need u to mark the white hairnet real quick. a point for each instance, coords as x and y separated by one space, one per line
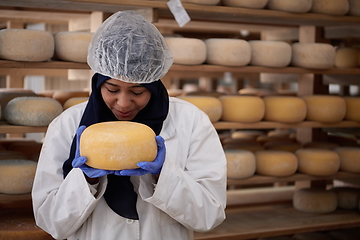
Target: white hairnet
129 48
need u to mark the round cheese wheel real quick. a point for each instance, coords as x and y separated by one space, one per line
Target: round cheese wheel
73 101
16 176
26 45
209 105
299 6
320 144
6 155
313 55
352 108
187 51
331 7
6 94
318 162
118 145
349 158
285 109
240 163
354 8
347 198
202 2
325 108
270 53
315 200
280 132
32 111
72 46
228 52
347 57
19 224
63 95
245 3
246 134
310 236
282 146
276 163
46 93
242 108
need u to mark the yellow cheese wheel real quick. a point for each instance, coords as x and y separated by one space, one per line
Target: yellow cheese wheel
240 163
280 132
247 134
118 145
16 176
63 95
72 46
6 94
32 111
276 163
284 109
347 57
246 109
318 162
354 8
352 108
202 2
314 200
257 4
320 144
187 51
289 146
299 6
313 55
209 105
74 101
26 45
325 108
331 7
228 52
347 197
310 236
270 53
349 158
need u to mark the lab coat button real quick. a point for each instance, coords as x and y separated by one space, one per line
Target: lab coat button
129 221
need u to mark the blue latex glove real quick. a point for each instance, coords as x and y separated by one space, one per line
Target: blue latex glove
79 161
153 167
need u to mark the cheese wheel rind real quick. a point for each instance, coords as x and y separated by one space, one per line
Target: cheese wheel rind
276 163
347 57
74 101
348 198
228 52
257 4
270 53
118 145
72 46
284 109
325 108
209 105
313 55
313 200
32 111
352 108
17 176
354 9
331 7
318 162
187 51
241 164
349 158
26 45
300 6
242 108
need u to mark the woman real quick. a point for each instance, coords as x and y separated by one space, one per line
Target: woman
181 191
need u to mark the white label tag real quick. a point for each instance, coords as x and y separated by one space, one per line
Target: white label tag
179 12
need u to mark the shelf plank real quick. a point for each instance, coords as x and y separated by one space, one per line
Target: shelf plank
270 125
260 179
43 65
6 128
267 221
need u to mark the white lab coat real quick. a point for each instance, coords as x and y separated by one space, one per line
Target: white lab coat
190 194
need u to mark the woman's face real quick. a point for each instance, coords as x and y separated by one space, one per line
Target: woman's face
125 100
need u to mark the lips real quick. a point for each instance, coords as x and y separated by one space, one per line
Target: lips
124 114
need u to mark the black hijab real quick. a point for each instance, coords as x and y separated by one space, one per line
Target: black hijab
119 193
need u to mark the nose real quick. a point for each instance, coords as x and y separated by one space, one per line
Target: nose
123 100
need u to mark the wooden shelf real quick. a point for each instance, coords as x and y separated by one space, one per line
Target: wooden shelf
259 179
7 128
270 125
43 65
267 221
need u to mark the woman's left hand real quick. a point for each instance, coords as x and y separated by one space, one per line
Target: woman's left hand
153 167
